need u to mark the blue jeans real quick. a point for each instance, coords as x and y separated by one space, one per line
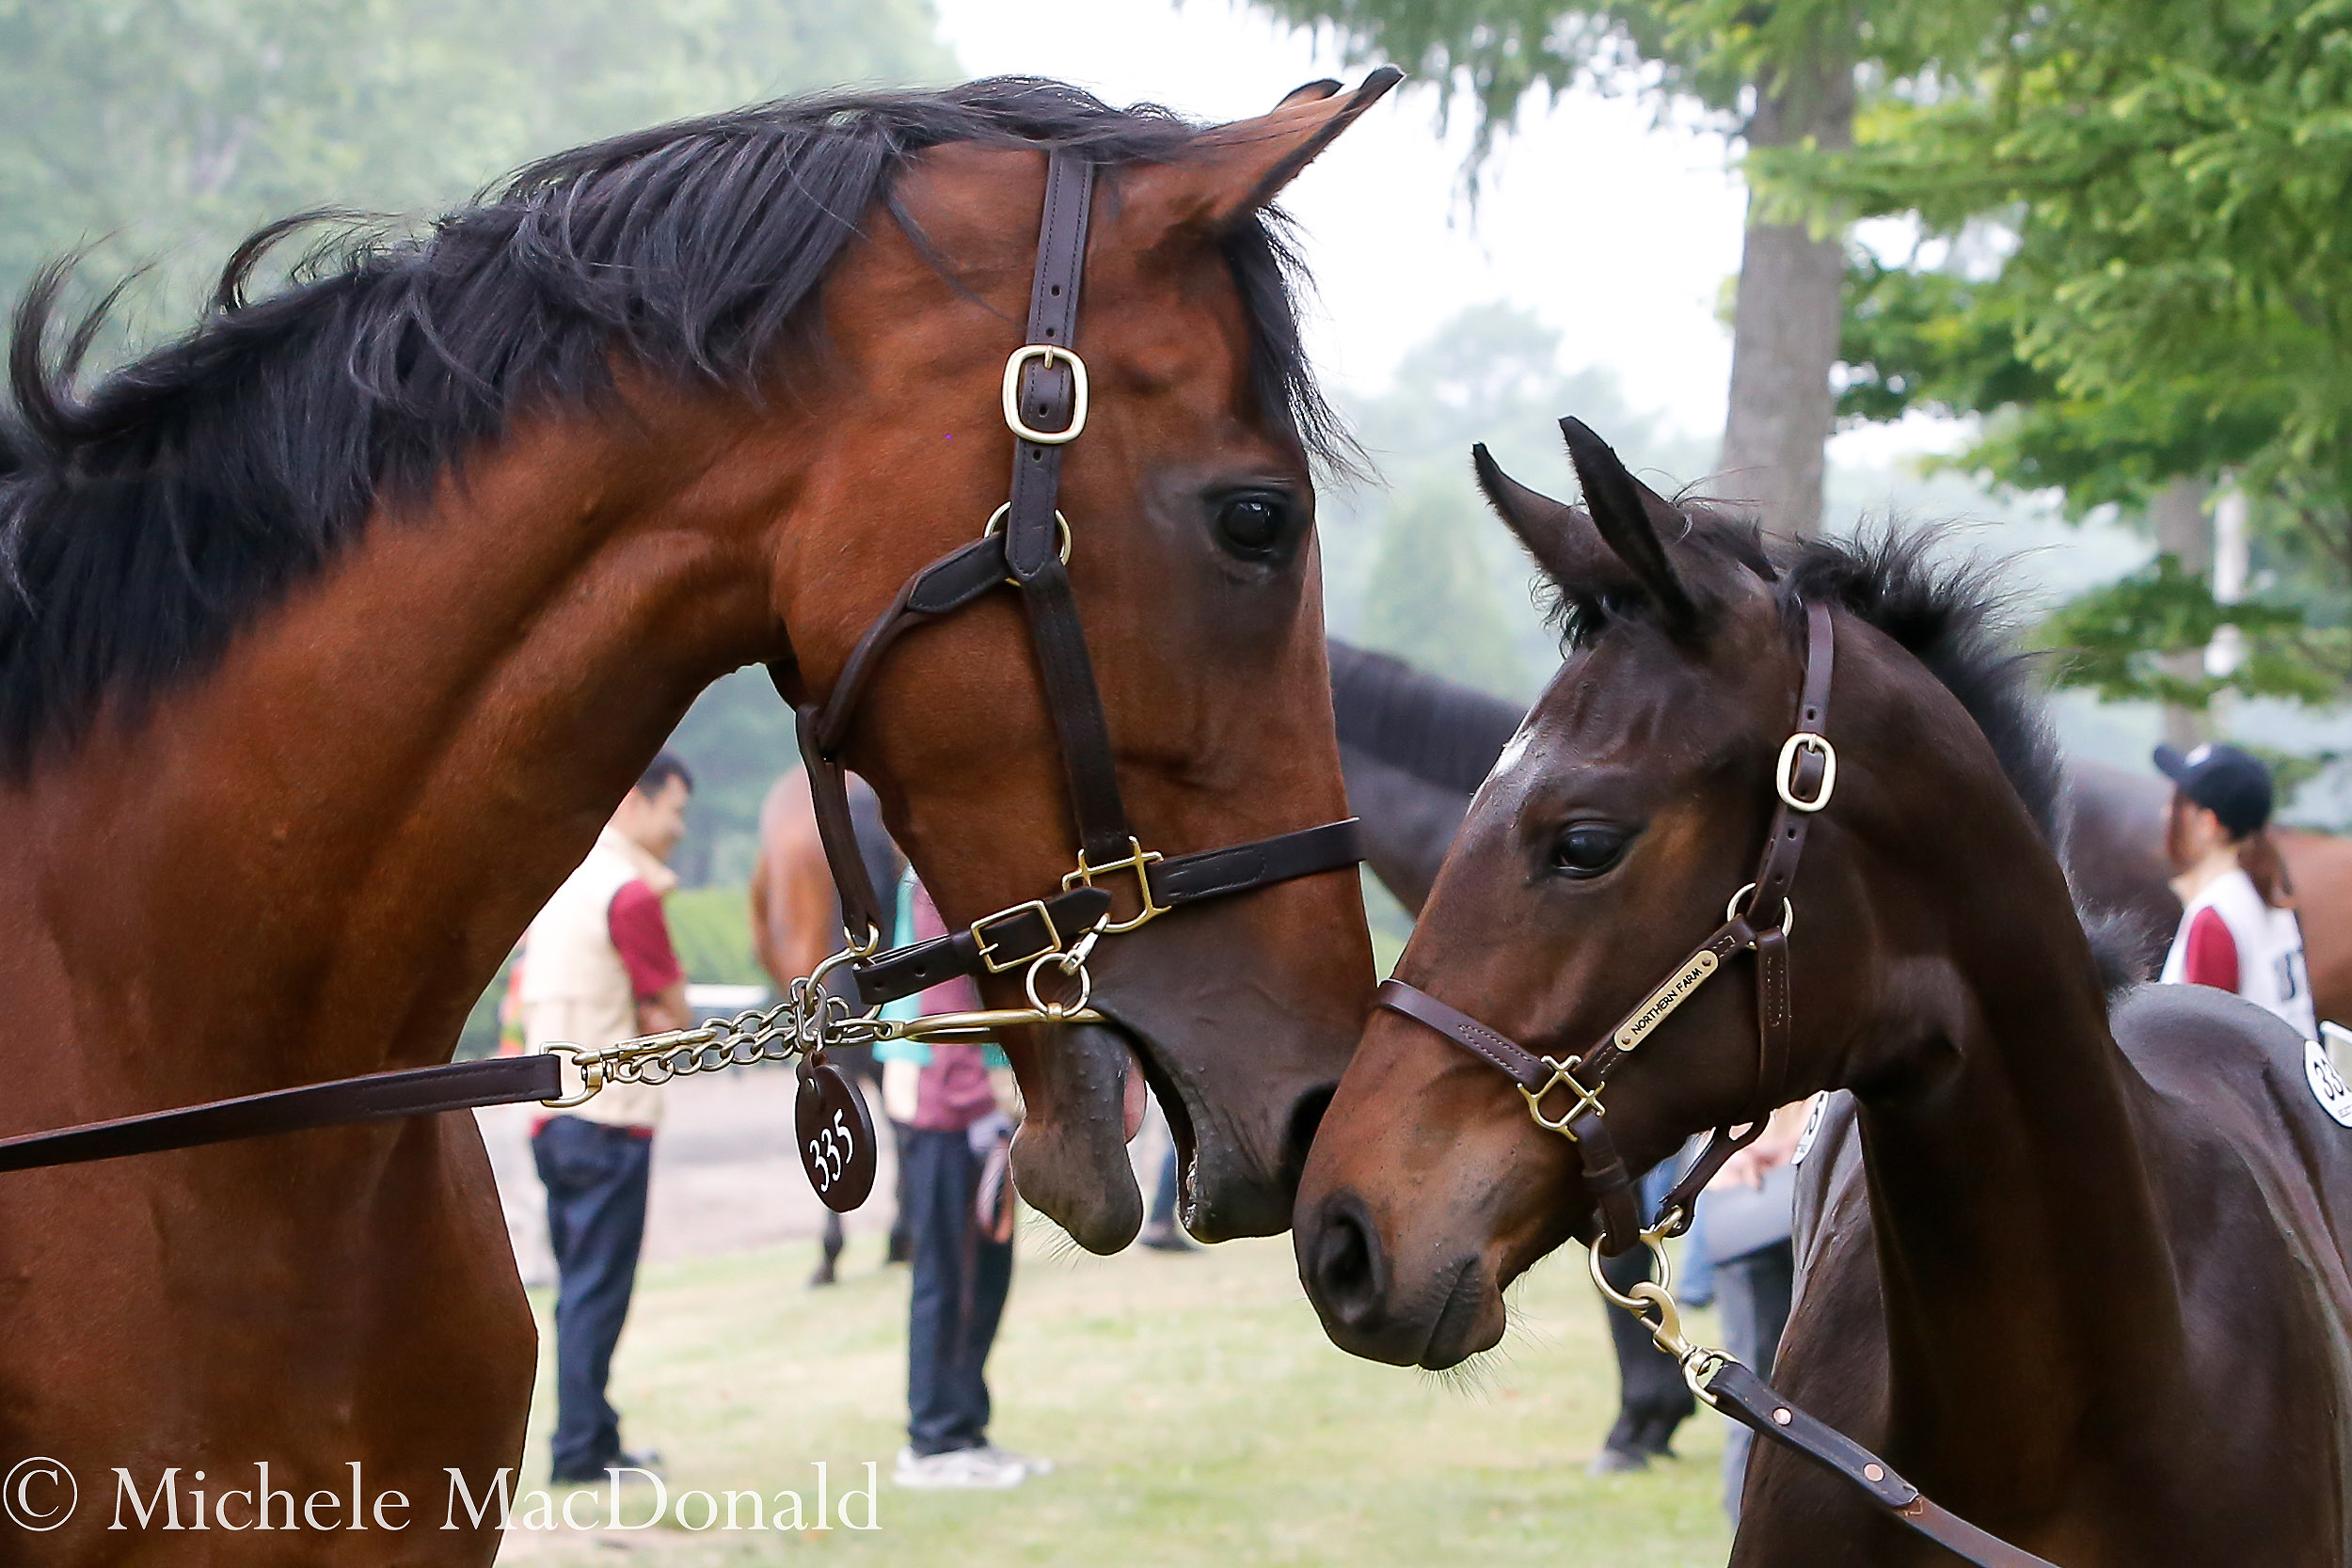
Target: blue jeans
961 1280
595 1178
1753 1294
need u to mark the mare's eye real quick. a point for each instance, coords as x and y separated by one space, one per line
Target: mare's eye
1255 525
1588 848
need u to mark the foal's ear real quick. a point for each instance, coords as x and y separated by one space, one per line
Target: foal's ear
1561 539
1231 170
1628 515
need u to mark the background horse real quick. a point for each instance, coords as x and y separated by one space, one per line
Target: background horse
796 923
335 630
2084 1283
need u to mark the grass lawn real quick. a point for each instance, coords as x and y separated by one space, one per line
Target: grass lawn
1195 1411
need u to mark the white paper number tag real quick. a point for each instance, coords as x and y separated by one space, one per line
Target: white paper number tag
1812 1128
2328 1086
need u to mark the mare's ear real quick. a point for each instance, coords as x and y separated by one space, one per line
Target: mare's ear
1561 539
1232 170
1628 515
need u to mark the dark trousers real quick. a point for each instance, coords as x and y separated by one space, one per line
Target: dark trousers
1752 1297
595 1178
1652 1399
961 1279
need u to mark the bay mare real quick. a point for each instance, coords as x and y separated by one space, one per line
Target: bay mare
334 631
2083 1282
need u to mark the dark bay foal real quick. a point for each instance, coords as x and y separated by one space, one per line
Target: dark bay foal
2077 1265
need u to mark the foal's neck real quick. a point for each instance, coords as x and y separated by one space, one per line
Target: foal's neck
343 825
2027 1284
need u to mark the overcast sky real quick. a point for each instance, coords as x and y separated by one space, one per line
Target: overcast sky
1617 230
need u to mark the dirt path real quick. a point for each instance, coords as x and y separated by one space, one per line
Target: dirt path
725 1176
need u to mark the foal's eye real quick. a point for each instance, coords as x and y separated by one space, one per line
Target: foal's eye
1255 525
1588 848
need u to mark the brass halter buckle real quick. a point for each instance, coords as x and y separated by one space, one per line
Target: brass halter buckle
1562 1077
1137 860
1045 354
989 950
1784 774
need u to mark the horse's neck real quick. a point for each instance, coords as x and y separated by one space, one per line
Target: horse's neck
330 838
2026 1279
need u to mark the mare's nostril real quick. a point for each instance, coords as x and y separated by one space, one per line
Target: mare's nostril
1347 1266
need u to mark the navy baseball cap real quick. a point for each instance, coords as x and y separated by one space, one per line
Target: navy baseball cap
2229 782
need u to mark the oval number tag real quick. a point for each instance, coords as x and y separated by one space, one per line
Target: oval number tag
2327 1085
836 1137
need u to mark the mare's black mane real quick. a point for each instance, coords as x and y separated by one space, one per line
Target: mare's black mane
143 521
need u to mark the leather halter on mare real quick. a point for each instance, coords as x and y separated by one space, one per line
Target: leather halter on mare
1758 919
1026 544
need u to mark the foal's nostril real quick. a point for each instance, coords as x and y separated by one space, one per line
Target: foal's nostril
1347 1265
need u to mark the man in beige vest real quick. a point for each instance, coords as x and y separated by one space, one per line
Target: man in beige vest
597 968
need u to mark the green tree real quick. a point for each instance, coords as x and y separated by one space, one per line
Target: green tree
2145 214
168 128
165 131
1420 569
1779 75
1433 599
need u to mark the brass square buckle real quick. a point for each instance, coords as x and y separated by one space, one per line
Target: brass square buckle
1137 860
988 950
1562 1077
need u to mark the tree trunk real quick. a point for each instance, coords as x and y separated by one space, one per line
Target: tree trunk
1785 320
2182 529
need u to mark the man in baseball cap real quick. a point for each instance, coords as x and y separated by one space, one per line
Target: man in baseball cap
2238 930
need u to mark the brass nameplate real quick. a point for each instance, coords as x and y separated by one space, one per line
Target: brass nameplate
1666 998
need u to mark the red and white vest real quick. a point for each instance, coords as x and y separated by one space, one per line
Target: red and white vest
575 985
2269 942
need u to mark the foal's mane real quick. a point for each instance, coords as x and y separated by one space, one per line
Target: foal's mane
144 520
1950 614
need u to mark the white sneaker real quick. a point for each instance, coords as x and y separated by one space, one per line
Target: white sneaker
982 1469
1035 1464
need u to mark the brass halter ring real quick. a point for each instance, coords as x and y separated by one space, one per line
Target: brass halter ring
1061 527
1056 1012
1788 910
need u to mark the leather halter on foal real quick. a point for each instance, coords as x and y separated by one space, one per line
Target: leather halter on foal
1027 544
1804 778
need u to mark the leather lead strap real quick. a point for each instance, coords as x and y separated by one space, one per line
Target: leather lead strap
1739 1394
412 1091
